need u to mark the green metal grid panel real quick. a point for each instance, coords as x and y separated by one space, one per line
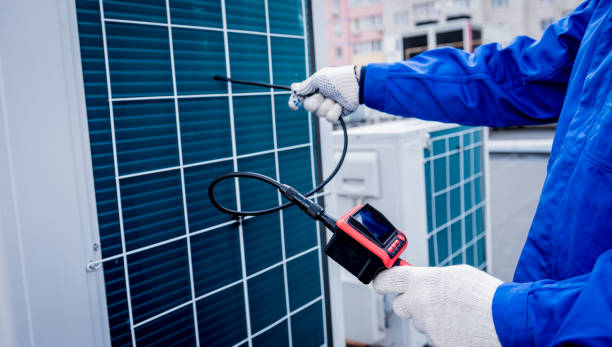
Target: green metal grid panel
176 270
454 186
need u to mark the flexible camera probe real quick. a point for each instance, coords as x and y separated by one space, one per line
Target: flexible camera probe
364 241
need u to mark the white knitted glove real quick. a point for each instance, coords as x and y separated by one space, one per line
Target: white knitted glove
336 92
452 305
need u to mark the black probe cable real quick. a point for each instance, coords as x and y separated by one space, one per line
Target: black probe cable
264 178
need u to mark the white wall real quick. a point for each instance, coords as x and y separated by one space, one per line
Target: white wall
47 211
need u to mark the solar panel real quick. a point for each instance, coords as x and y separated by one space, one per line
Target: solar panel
178 272
455 200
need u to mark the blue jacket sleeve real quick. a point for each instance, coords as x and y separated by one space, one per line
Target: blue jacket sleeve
575 311
521 84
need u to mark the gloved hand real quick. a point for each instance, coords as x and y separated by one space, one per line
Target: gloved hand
337 92
452 305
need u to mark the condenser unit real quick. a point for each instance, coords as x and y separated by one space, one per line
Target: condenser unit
430 180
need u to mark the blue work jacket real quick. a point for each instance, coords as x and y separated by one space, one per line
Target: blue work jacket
562 288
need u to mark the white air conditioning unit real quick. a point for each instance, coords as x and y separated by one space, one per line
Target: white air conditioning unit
430 180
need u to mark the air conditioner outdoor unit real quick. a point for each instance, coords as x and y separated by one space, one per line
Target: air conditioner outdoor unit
430 180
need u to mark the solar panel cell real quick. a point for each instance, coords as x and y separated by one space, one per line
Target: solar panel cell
196 12
159 279
286 17
201 213
303 280
300 231
306 328
205 129
267 298
174 329
215 258
152 208
276 336
221 317
140 10
139 60
246 15
145 134
262 242
198 56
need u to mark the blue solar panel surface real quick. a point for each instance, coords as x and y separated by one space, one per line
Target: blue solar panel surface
455 201
178 272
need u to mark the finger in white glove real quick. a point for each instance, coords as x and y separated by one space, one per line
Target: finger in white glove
312 103
295 101
325 107
452 305
334 113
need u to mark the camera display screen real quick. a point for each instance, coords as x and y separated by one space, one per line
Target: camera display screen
374 222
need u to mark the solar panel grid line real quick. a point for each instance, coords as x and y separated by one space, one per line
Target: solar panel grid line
462 192
467 131
197 27
277 173
462 250
192 234
245 289
164 313
282 319
455 151
182 171
220 289
448 200
433 213
212 161
116 174
473 191
457 185
196 96
462 215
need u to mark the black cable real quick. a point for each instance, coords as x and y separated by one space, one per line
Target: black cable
250 83
271 182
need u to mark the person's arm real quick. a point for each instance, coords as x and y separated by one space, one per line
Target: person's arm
524 83
463 306
575 311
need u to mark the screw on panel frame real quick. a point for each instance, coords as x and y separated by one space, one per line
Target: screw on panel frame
93 266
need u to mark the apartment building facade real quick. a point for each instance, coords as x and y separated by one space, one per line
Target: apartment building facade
361 31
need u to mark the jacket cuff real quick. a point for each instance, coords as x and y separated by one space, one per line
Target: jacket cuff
510 314
362 74
375 86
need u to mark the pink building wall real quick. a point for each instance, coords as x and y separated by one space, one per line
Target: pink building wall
343 18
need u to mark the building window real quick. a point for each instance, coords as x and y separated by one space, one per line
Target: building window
545 23
337 30
461 4
499 3
335 7
426 10
366 23
357 3
401 18
338 52
367 47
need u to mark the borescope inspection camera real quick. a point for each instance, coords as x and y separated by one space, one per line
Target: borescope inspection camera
364 242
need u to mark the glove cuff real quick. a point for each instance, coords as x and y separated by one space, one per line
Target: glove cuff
346 83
